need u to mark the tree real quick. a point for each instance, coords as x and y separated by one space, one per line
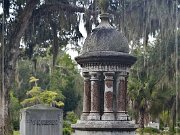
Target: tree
167 70
39 96
67 79
138 88
23 13
152 85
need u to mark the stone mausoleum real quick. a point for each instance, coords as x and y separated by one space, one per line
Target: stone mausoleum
105 62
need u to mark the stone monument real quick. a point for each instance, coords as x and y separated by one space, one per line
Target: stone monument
105 62
41 120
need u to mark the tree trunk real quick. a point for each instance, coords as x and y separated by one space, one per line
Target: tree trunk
173 116
141 119
11 56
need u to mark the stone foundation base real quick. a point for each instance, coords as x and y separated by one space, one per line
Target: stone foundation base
108 116
93 116
122 117
78 132
104 128
84 116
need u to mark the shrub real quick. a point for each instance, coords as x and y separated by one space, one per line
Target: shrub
150 130
71 118
66 131
16 133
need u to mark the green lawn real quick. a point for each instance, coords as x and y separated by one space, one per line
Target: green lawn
16 133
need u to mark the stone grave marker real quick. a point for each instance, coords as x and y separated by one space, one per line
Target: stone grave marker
41 120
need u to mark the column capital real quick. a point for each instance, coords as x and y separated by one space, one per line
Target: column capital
124 74
109 75
121 76
95 75
86 75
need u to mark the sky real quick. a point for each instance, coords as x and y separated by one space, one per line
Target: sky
1 9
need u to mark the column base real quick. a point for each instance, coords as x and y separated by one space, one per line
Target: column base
80 132
93 116
122 116
108 116
84 116
104 128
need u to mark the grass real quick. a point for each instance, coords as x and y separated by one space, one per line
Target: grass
152 131
16 133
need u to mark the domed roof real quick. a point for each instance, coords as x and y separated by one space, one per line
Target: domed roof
105 38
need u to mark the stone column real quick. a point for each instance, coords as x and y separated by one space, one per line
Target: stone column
108 96
95 97
87 96
121 96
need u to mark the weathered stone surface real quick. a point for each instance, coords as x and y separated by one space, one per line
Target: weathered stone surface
122 116
106 52
87 96
79 132
41 120
104 126
105 38
105 58
108 96
95 97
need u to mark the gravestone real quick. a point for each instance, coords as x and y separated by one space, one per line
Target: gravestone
153 125
41 120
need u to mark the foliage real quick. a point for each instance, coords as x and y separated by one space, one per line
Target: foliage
16 133
67 131
71 118
152 81
37 96
66 78
23 73
149 130
139 88
55 81
14 110
63 79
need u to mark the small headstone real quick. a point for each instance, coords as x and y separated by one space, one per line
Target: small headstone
41 120
153 125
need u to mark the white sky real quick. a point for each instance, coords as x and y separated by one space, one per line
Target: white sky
1 9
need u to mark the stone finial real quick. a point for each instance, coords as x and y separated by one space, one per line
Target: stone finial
104 4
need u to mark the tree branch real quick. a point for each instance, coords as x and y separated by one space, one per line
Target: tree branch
12 49
60 7
23 22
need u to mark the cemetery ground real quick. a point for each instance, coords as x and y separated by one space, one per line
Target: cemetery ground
163 133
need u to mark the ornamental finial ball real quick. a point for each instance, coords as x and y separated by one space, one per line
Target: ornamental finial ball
104 4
